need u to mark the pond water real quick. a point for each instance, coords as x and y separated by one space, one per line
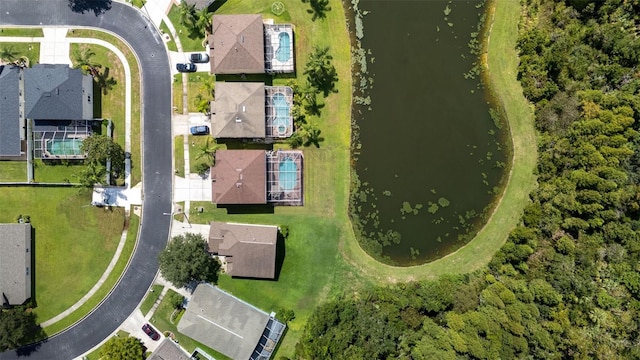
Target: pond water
430 160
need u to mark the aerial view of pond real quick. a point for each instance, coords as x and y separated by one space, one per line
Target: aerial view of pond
429 157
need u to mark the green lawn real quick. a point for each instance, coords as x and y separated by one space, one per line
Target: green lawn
177 93
188 43
161 319
171 44
21 32
195 143
74 242
135 94
195 87
51 172
178 155
110 282
13 171
150 298
13 51
113 99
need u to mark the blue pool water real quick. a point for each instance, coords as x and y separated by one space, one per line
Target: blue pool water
283 53
287 174
281 121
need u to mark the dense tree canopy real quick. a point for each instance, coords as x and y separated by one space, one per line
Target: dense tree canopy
566 283
17 327
185 260
122 348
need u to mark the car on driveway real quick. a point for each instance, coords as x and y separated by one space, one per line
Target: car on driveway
199 58
199 130
190 67
153 334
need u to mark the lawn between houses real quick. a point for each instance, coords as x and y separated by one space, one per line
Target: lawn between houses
322 257
136 172
73 243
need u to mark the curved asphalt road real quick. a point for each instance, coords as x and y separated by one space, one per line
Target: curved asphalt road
135 29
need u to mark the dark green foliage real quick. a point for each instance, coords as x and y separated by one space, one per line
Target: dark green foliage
320 72
122 348
185 260
176 300
566 283
318 8
99 148
17 327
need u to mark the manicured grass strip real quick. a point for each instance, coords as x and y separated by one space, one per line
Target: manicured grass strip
57 172
161 320
95 355
136 175
105 289
13 171
178 155
195 143
171 44
10 51
21 32
150 298
73 243
196 87
188 43
112 98
177 93
503 63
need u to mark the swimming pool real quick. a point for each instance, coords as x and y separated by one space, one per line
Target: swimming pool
64 147
282 118
283 53
287 174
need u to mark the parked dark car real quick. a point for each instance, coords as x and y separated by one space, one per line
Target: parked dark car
199 58
199 130
190 67
153 334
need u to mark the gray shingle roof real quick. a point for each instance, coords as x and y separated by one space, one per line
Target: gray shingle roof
57 92
239 110
223 322
168 350
250 250
9 111
15 263
237 44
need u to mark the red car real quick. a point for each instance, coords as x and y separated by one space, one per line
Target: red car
153 334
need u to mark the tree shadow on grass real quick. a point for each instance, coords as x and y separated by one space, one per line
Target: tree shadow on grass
248 209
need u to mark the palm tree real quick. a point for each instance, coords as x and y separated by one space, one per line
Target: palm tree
83 60
207 151
321 74
8 54
104 81
319 8
312 135
203 22
187 14
203 104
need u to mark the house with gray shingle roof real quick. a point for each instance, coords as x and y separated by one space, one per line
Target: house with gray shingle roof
229 325
57 104
12 133
15 263
245 44
249 250
57 92
169 350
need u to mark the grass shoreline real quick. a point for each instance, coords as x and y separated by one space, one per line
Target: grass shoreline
502 68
